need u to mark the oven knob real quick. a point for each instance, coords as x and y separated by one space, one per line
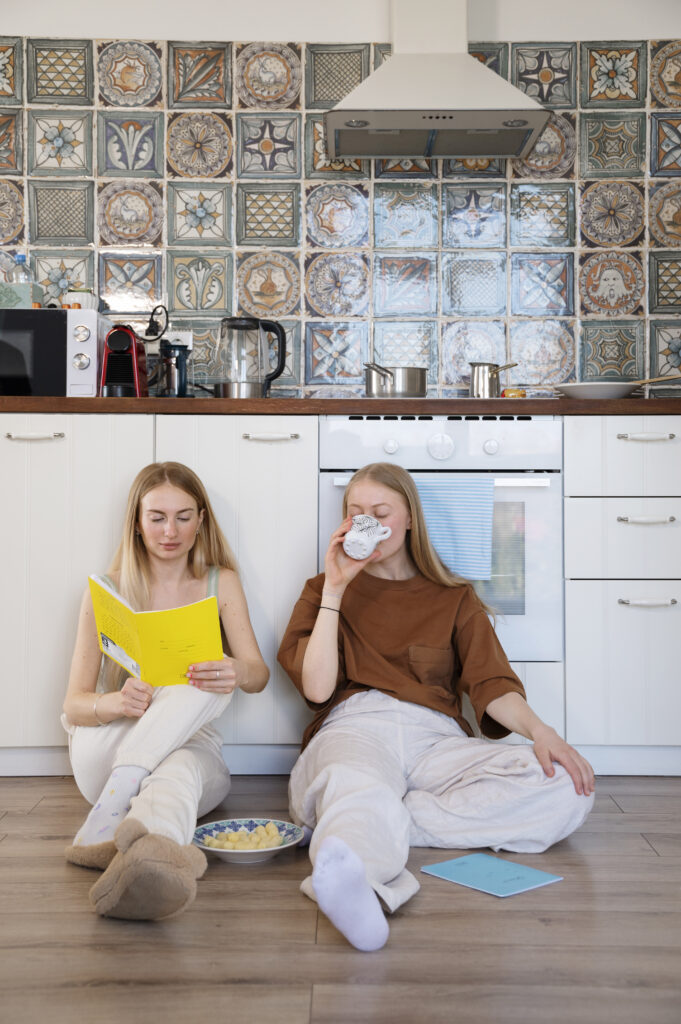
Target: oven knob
81 361
491 447
81 332
440 446
390 446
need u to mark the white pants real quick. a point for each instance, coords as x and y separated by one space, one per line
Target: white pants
175 743
384 775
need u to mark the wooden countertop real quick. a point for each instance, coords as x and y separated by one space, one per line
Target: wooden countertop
349 406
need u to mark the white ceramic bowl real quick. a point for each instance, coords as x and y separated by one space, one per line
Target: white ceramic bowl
597 389
291 835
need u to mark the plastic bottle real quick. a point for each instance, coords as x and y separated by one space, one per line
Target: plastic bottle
20 272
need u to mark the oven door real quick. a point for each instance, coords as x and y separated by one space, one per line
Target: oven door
526 586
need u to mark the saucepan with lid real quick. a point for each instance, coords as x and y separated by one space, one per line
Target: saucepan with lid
395 381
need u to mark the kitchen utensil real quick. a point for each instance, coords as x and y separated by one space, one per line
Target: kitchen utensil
363 536
173 369
291 835
606 389
484 382
244 351
395 381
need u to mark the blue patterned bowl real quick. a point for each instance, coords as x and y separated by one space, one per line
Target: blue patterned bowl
291 835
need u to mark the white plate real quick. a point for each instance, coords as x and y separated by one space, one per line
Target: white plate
291 835
597 389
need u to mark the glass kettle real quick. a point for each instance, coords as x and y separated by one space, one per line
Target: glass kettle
244 353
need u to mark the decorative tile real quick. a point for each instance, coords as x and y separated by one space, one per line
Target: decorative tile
11 70
542 215
611 283
199 75
474 215
291 374
130 283
199 282
664 213
471 341
474 167
612 213
199 145
492 55
61 213
58 272
11 141
199 214
665 77
268 284
612 145
665 348
405 284
268 75
553 154
382 52
332 71
130 144
405 216
60 144
317 161
665 282
268 147
337 216
474 284
613 74
612 351
60 72
405 168
544 351
407 343
547 73
208 362
268 213
665 144
541 285
130 74
335 352
337 284
130 213
11 212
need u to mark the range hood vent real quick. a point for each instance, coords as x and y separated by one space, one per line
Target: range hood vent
432 98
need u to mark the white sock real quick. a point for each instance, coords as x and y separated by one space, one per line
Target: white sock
344 894
112 805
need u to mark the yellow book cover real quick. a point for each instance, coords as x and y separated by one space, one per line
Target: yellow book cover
157 647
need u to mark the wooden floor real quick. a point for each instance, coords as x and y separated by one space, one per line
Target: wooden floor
602 945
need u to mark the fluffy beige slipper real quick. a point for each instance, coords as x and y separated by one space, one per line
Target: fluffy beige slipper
150 878
96 855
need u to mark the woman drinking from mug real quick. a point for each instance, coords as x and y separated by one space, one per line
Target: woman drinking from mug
383 649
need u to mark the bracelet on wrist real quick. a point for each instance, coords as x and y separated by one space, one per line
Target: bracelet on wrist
94 708
328 608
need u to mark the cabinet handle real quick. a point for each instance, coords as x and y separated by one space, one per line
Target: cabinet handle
35 437
647 604
270 437
646 437
646 520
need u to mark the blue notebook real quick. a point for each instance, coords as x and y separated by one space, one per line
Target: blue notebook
491 874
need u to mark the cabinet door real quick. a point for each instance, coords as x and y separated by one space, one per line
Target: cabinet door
622 662
261 475
65 486
622 455
623 538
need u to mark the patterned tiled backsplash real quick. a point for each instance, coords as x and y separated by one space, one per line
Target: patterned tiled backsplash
195 175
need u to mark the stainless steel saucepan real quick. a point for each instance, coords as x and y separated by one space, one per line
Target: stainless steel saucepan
395 381
484 381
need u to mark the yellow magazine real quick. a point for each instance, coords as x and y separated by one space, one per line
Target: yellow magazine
157 647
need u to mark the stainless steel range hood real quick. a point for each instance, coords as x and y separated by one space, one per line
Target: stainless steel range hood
431 98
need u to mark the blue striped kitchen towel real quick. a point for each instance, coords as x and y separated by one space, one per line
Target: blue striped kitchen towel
459 517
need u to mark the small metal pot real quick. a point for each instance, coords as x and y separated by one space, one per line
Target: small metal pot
484 381
395 381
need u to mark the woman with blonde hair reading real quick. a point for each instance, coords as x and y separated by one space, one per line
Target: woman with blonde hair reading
148 759
383 650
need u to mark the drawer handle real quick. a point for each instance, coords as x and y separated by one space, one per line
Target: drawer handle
270 437
646 520
646 437
35 437
647 604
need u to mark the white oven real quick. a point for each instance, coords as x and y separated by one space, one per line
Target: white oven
523 457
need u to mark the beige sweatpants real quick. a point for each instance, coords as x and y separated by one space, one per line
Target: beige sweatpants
384 775
175 743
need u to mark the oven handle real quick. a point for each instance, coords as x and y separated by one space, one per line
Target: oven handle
534 481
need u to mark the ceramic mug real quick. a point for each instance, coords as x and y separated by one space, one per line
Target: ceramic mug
363 536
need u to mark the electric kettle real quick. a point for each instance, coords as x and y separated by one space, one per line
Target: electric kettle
244 352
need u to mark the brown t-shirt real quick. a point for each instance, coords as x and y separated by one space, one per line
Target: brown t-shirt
415 640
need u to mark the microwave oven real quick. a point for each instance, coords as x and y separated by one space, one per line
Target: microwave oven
51 351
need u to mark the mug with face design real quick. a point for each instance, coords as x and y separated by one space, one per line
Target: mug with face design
363 536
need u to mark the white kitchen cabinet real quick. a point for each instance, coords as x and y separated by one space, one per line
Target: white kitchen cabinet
622 538
261 474
622 455
65 480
